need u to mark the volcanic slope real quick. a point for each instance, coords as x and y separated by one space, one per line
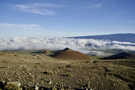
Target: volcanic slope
69 54
122 55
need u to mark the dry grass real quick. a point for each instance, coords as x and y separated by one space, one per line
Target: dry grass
38 69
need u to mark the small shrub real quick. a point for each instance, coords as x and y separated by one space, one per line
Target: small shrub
93 61
66 75
68 66
12 86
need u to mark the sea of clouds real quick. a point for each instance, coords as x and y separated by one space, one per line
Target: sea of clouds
84 45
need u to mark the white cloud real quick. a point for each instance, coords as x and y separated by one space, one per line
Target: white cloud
95 5
60 43
126 43
54 43
29 30
39 8
7 26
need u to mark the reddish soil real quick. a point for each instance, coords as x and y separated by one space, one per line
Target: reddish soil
70 54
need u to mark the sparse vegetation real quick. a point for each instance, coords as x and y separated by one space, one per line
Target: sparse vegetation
12 86
49 72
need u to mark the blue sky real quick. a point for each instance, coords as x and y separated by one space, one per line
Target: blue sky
66 17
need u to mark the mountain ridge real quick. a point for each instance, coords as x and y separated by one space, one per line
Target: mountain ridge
122 37
122 55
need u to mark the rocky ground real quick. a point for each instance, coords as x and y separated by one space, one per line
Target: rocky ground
34 69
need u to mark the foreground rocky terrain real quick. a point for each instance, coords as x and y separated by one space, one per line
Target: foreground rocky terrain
30 70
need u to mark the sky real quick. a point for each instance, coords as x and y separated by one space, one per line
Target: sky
58 18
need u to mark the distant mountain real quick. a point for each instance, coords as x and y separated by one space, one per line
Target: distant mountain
122 55
127 37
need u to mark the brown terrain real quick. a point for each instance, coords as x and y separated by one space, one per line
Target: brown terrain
70 54
40 70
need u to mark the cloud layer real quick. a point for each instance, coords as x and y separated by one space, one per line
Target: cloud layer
31 43
38 8
7 26
50 8
95 5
